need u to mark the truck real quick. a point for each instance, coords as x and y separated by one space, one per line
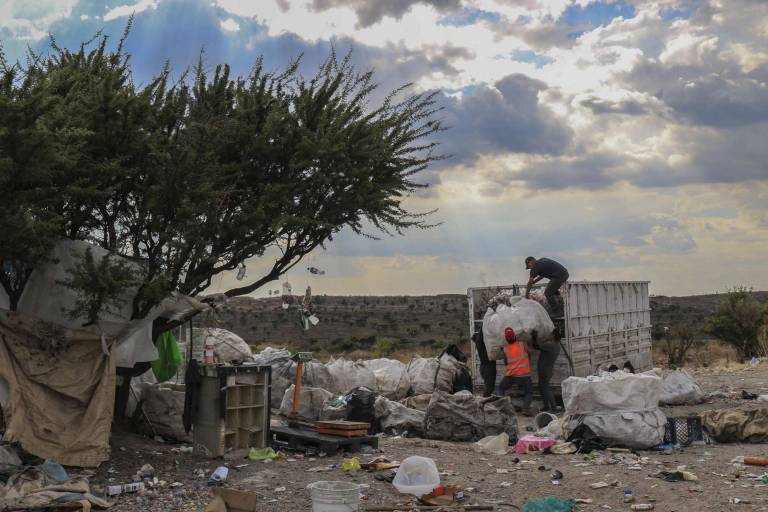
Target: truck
606 325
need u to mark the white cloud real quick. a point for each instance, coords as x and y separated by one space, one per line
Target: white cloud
30 21
229 25
126 10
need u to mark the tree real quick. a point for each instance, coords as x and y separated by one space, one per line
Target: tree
738 320
191 178
677 341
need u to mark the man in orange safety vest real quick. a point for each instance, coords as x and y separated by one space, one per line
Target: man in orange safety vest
518 368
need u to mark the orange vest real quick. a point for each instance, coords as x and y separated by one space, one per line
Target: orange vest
518 364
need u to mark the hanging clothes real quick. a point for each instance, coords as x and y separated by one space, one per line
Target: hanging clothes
169 360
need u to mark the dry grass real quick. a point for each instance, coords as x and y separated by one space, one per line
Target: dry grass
711 354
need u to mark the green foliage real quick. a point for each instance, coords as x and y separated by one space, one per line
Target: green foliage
383 347
100 285
737 322
195 176
677 341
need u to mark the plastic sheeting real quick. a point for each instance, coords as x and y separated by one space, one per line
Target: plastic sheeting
45 299
392 378
621 408
523 316
679 388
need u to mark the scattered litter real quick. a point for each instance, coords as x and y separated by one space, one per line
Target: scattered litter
563 448
279 489
643 506
738 501
599 485
746 395
676 476
114 490
320 469
493 445
351 465
218 476
529 444
755 461
262 454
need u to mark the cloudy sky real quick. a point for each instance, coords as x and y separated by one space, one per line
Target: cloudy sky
627 139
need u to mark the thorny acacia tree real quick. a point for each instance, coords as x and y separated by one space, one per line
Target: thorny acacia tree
192 177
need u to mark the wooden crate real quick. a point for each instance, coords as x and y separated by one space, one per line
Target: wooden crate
342 428
233 411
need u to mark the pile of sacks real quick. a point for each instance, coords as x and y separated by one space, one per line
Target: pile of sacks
620 408
417 398
390 378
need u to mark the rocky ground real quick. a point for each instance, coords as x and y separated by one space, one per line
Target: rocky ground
495 480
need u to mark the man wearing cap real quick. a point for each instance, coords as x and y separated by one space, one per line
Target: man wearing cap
556 273
518 368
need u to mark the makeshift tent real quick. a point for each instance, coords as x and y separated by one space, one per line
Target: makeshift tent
62 390
59 376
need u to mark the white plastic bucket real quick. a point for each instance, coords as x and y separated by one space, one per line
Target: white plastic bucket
335 496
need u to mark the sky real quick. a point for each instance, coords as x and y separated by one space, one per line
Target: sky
627 139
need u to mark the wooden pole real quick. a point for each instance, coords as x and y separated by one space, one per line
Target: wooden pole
297 388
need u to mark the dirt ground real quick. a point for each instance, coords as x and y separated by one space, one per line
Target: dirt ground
493 480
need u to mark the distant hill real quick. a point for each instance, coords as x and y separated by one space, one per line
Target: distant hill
427 323
693 309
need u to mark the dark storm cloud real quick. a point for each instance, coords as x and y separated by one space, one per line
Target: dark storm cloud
625 107
505 118
704 95
370 12
591 171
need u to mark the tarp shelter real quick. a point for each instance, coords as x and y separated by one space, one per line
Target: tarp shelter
62 390
57 377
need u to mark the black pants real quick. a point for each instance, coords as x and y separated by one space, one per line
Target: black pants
488 374
552 291
524 383
546 370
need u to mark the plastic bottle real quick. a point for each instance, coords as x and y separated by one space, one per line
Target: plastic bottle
219 475
628 496
208 350
114 490
756 461
643 506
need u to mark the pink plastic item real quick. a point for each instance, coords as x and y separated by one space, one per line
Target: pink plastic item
527 444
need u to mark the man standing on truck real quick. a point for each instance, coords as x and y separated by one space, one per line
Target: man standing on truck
518 369
548 352
557 275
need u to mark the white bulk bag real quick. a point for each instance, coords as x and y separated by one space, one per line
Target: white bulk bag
679 388
523 316
347 375
392 379
621 408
